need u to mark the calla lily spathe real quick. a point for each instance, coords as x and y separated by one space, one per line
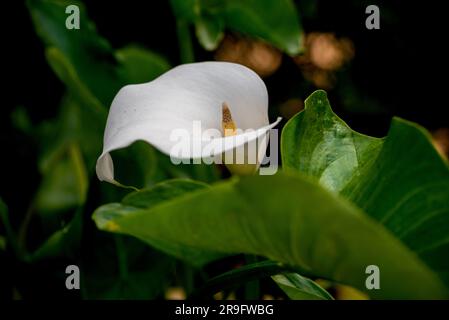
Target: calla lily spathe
187 93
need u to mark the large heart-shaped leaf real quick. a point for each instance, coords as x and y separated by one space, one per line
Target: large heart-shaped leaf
287 218
400 180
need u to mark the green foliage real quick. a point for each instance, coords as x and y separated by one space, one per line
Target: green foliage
298 287
125 268
401 180
65 181
63 242
138 65
90 55
256 215
274 21
343 200
70 144
10 238
109 216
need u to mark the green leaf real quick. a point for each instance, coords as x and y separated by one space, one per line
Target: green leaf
93 73
20 119
137 165
401 180
124 268
250 272
65 181
186 10
201 172
73 125
297 287
316 142
11 238
286 218
275 21
237 277
109 214
139 65
66 160
85 61
89 54
65 70
141 165
163 191
209 32
64 242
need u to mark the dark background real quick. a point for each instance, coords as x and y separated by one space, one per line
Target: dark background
402 65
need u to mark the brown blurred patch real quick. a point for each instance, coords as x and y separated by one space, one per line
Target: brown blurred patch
440 139
257 55
175 293
324 54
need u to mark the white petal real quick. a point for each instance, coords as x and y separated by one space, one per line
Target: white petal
187 93
225 144
105 168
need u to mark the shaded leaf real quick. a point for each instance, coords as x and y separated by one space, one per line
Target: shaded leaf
110 213
64 242
236 277
20 119
286 218
125 268
11 238
141 165
65 182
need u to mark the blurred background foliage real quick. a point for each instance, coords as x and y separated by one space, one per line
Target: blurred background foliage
61 83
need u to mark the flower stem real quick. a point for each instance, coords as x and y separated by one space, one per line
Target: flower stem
185 41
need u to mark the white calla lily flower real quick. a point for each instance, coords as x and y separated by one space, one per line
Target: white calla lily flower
206 93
